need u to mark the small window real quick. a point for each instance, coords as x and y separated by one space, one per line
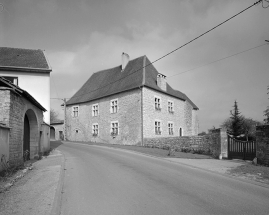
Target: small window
114 106
171 128
13 80
180 132
158 127
75 111
95 129
157 103
76 130
95 110
114 128
170 107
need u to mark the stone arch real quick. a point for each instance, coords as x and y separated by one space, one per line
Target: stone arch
31 142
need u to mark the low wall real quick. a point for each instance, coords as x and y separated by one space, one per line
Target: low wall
4 146
262 141
214 143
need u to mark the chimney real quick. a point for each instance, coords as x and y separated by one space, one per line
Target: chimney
124 60
161 81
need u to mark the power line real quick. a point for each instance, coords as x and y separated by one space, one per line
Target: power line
174 49
216 60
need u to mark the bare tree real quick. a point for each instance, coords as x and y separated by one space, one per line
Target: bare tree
53 115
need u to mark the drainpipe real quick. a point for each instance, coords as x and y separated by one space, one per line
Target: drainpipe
142 124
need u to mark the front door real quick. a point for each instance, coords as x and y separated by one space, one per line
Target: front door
26 139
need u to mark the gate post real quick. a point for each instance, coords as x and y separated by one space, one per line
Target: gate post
223 143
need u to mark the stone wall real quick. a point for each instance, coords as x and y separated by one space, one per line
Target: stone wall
12 111
4 145
262 141
183 116
210 143
128 116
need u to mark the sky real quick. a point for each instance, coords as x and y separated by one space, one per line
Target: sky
81 37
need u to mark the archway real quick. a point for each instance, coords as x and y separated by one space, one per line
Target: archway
30 135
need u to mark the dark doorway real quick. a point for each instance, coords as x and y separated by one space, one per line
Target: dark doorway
61 135
26 139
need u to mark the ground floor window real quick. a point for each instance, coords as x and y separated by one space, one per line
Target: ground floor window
171 128
95 129
114 128
158 127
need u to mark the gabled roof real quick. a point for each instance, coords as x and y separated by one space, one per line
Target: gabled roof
114 80
23 60
6 84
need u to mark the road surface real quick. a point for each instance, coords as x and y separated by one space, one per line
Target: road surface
100 180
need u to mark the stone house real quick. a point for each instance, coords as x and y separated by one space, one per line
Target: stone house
127 103
30 70
23 115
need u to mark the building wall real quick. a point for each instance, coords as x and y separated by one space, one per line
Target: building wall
128 116
183 116
4 146
58 128
45 138
13 109
36 84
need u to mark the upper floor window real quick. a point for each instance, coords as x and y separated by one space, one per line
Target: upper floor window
114 128
170 107
75 111
95 110
95 129
157 103
171 128
157 127
114 106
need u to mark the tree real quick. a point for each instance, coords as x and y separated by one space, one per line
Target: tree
266 112
53 115
237 121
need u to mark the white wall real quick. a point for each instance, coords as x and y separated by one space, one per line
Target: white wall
37 84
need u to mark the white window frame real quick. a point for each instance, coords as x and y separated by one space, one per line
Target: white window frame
170 128
114 106
95 129
75 111
157 127
157 103
170 105
112 128
95 109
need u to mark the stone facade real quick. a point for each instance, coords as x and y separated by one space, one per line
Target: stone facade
129 118
183 115
262 141
13 108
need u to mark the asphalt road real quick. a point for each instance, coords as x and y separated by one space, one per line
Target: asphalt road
99 180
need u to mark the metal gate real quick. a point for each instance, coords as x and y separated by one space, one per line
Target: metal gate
238 149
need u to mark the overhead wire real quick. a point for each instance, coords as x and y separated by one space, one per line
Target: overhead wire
217 60
172 50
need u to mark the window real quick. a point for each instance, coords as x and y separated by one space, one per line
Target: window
95 130
95 110
180 132
157 103
14 80
171 128
114 128
158 127
170 107
114 106
75 111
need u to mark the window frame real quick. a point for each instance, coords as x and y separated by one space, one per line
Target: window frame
158 127
95 127
75 111
170 106
113 106
95 112
170 128
157 104
112 129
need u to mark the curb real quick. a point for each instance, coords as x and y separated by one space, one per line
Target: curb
57 203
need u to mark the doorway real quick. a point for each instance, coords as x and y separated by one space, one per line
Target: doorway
26 139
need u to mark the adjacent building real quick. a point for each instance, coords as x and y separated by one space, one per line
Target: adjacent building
30 70
127 103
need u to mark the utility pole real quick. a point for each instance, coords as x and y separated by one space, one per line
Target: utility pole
64 118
